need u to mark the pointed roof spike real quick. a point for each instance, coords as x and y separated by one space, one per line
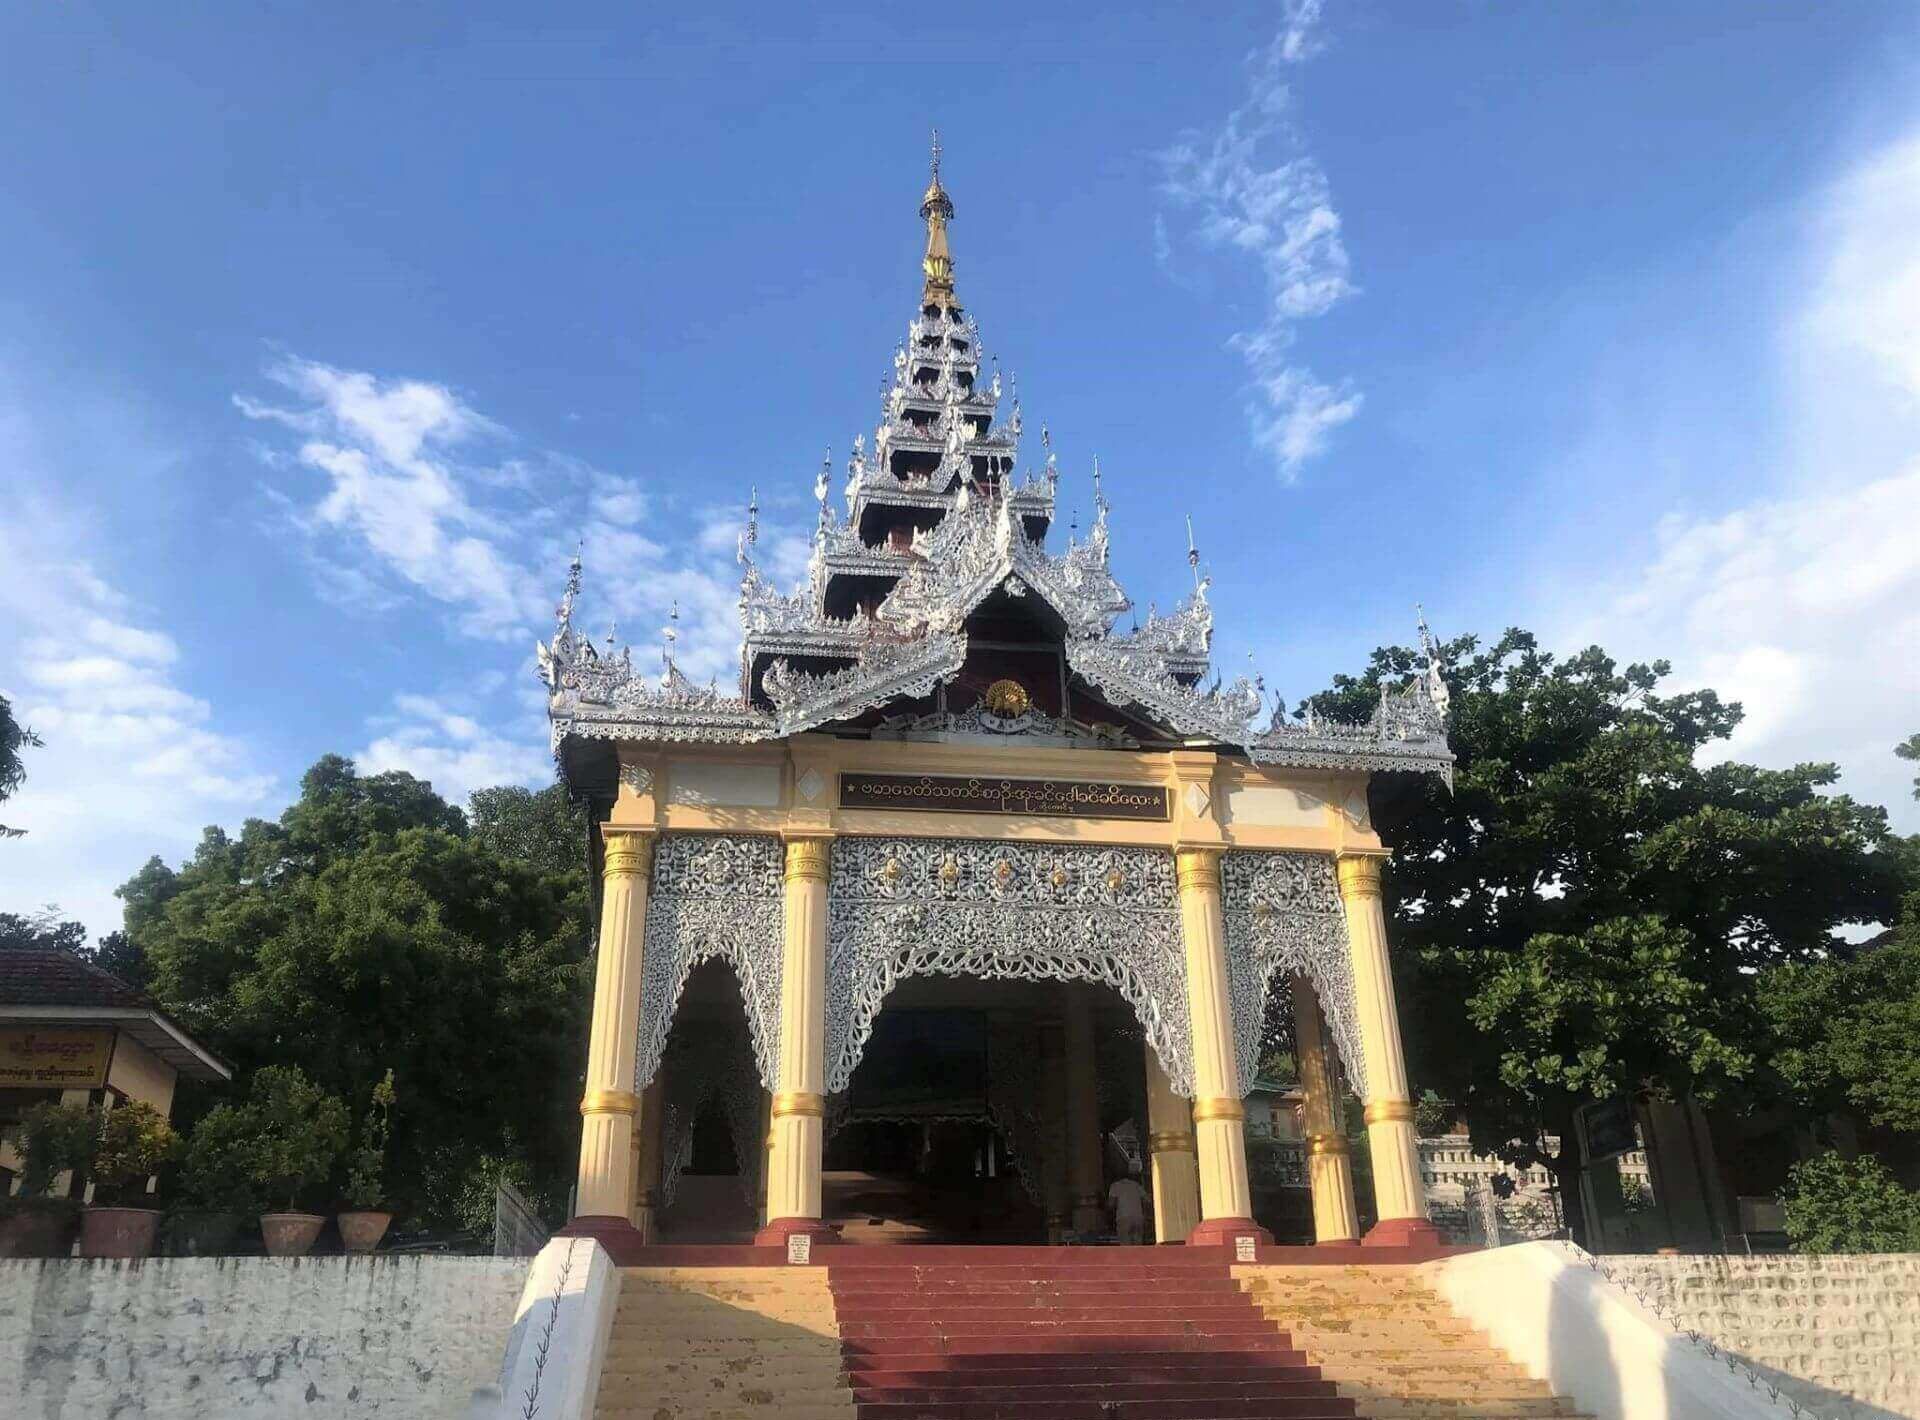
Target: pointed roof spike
936 210
1193 554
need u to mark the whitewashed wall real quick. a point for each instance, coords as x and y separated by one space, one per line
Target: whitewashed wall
207 1338
1841 1335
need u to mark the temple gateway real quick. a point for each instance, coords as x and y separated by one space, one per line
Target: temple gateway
973 894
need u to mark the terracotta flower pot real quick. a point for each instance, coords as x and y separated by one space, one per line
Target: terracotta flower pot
38 1227
118 1232
290 1234
362 1229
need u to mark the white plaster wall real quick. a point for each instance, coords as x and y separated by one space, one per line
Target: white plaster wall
1591 1340
1841 1335
328 1338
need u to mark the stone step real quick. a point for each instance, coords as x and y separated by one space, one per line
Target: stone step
929 1368
1097 1390
1109 1327
1043 1314
1024 1343
649 1343
667 1407
1032 1409
824 1370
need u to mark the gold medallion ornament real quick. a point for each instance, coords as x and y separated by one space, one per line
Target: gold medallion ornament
1008 699
950 872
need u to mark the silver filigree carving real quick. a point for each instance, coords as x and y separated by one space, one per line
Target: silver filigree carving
713 896
1283 914
1002 911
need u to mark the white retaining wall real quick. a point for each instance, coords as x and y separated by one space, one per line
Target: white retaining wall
329 1338
1841 1335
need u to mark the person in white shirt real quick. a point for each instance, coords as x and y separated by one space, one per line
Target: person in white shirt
1129 1202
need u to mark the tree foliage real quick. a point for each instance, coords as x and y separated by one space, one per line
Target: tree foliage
1836 1204
1581 915
14 737
369 929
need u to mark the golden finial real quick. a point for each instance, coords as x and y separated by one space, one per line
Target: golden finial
936 210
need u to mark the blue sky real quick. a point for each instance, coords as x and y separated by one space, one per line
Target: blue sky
326 330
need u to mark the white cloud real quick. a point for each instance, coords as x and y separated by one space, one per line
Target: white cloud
452 750
133 763
1804 605
1282 214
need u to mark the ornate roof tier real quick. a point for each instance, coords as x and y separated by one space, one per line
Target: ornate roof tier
939 550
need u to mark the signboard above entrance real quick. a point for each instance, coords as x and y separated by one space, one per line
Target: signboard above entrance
989 794
53 1058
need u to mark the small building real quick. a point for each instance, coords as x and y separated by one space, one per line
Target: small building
74 1033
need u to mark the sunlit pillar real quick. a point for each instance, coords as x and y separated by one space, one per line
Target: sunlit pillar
800 1104
1219 1113
1399 1197
1176 1173
1329 1159
603 1201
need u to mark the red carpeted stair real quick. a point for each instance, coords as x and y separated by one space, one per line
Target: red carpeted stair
1133 1334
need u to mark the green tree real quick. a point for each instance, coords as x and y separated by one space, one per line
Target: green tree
542 828
1909 748
1582 915
14 737
1836 1204
41 931
366 930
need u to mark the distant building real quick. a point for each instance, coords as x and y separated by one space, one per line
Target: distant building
74 1033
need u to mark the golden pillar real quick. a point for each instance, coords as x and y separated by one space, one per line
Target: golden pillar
603 1199
798 1111
1329 1159
1086 1157
766 1153
1400 1197
1219 1113
1176 1172
646 1160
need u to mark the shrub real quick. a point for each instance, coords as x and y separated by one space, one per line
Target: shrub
1835 1204
301 1130
130 1143
53 1139
367 1164
222 1154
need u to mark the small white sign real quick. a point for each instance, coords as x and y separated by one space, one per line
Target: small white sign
1244 1248
799 1248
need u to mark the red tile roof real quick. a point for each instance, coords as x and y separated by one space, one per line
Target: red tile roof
51 977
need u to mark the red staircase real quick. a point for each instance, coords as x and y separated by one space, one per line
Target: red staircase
1043 1334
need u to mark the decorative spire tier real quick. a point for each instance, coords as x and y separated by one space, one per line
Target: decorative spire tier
934 561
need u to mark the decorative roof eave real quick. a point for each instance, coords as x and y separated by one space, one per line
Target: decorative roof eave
1407 731
905 672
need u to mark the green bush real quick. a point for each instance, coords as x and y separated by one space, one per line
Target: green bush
218 1174
53 1139
130 1143
366 1165
1835 1204
302 1131
284 1139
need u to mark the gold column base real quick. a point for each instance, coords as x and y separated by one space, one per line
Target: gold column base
610 1102
1206 1111
789 1103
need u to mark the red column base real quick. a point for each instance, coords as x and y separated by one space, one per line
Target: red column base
1222 1232
778 1230
1402 1232
613 1233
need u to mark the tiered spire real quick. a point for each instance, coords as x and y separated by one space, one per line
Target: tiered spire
936 210
937 524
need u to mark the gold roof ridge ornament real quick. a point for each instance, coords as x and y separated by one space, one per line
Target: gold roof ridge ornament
936 210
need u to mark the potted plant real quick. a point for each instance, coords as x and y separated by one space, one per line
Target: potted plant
364 1223
299 1131
216 1184
54 1139
130 1142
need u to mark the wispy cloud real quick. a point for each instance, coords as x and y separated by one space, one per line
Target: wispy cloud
421 497
454 750
1252 187
133 763
1804 604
